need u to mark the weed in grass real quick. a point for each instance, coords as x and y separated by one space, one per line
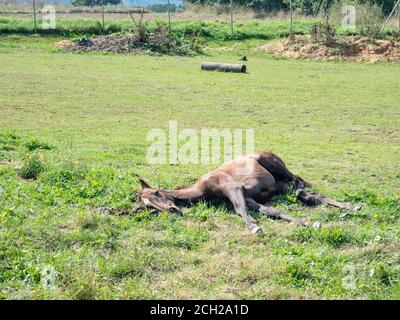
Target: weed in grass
85 287
384 274
331 236
32 166
300 273
9 142
35 144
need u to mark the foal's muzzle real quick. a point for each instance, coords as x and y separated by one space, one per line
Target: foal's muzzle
175 210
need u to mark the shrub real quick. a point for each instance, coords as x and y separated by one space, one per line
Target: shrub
322 32
162 7
31 167
92 3
161 41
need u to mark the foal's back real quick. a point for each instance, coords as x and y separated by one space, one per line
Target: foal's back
248 167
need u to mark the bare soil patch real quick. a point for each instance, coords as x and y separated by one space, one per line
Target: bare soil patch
344 48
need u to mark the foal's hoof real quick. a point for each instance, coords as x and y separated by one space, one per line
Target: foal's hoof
303 222
256 230
355 207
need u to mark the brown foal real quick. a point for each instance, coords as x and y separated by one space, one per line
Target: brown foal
249 183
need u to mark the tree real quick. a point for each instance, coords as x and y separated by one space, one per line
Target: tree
92 3
324 7
386 5
308 7
264 5
162 7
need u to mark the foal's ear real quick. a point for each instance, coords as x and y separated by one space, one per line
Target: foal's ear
143 183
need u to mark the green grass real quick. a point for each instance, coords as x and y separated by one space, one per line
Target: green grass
207 29
84 119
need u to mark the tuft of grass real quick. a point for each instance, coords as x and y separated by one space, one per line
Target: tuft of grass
32 166
299 274
35 144
9 142
331 236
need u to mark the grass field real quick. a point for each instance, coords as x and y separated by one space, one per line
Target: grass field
218 30
81 120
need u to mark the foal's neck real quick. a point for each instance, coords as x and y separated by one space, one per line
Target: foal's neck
190 193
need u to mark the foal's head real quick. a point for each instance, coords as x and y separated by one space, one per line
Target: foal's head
157 199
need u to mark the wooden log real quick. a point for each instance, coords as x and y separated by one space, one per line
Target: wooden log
225 67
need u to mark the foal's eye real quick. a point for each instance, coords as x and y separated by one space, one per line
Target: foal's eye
157 194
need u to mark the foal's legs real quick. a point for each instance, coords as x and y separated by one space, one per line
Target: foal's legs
234 192
271 212
314 199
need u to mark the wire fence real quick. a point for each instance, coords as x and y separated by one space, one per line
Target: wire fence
34 16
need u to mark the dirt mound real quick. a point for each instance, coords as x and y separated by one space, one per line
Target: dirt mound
344 48
108 43
154 42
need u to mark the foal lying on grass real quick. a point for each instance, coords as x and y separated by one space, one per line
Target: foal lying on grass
249 183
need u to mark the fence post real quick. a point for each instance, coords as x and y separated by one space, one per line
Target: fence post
391 15
398 15
169 15
34 16
231 6
102 14
291 19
